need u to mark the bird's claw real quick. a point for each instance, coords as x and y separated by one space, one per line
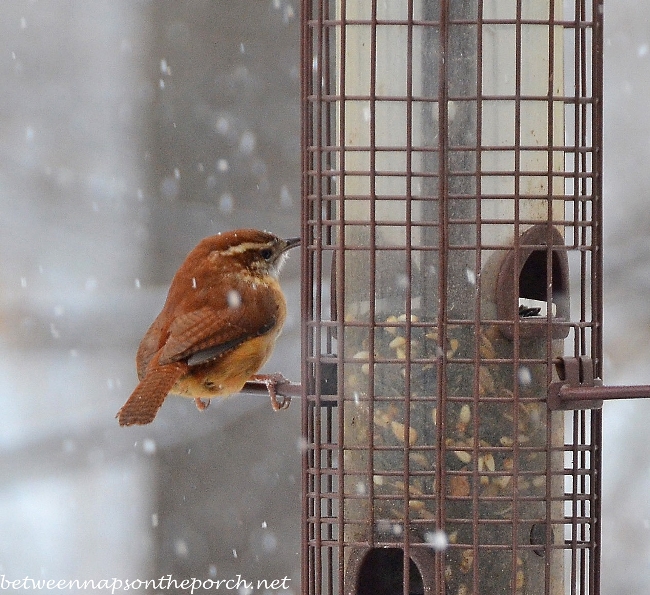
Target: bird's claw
201 405
272 381
278 405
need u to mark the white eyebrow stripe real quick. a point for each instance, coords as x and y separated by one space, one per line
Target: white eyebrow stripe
239 248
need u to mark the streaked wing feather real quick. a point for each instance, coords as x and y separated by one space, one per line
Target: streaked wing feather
148 348
204 334
190 332
211 353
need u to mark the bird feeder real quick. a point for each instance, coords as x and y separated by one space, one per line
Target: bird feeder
452 295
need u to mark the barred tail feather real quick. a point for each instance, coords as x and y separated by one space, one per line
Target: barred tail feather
145 401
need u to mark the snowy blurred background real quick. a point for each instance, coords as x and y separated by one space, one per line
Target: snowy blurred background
130 130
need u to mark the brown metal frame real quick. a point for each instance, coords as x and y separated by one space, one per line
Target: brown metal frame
530 498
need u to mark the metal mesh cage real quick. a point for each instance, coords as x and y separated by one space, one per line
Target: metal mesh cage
451 222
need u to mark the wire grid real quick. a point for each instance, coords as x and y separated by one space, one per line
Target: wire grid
451 228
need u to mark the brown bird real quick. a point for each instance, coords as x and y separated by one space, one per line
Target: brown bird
218 327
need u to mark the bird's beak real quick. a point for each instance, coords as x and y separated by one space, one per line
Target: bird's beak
290 243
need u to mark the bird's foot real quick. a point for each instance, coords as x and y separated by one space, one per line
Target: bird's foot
202 405
272 381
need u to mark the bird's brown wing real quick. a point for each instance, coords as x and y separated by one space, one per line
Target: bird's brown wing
149 346
204 334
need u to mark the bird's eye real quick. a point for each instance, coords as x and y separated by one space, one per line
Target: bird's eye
266 253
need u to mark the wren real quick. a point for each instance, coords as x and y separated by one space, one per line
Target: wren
223 314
